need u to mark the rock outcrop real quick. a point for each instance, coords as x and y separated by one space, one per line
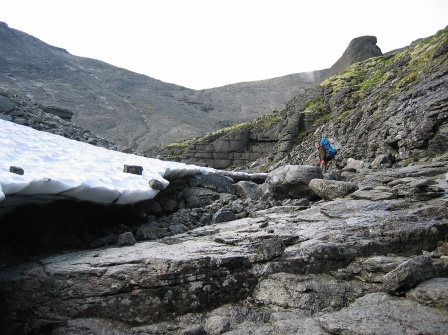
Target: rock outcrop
359 49
341 266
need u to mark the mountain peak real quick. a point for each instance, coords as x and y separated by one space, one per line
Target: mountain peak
358 50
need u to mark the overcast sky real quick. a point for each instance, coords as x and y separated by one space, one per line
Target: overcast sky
209 43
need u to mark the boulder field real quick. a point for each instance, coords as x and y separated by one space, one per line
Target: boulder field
370 259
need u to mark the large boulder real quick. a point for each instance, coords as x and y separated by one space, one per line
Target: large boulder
224 215
247 189
290 181
332 189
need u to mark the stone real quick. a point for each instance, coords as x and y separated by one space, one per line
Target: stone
154 207
409 274
382 161
290 181
63 113
170 206
418 188
379 313
354 164
126 239
6 105
155 184
134 169
296 323
107 240
432 292
145 233
332 189
309 293
331 176
443 248
17 170
369 270
224 215
216 325
247 189
177 228
270 249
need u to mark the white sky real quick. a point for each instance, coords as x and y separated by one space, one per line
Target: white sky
209 43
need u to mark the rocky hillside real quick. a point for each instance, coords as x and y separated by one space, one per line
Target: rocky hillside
392 108
133 110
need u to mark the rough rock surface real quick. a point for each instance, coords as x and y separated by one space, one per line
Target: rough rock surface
343 266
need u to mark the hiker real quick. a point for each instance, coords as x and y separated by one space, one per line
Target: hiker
326 153
322 157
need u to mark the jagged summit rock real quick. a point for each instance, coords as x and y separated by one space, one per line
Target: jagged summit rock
359 49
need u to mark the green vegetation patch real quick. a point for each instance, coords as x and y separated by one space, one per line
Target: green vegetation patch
346 114
177 150
323 119
400 70
149 109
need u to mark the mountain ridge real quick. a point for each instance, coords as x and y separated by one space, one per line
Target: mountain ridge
133 110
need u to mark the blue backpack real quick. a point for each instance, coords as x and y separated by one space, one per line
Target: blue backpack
331 152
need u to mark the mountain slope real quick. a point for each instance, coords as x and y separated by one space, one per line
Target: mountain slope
133 110
392 107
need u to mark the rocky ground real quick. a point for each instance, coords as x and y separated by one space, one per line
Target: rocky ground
372 258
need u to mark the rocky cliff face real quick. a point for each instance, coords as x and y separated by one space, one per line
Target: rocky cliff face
133 110
394 105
